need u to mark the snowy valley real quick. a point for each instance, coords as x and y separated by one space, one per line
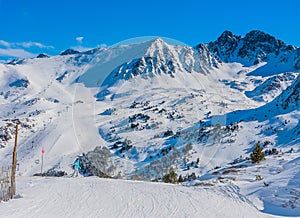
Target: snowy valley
140 110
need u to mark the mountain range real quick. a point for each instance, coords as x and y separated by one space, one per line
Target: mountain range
149 107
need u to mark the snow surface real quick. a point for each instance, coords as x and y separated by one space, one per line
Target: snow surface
94 197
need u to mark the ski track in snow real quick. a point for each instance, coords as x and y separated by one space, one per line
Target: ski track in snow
94 197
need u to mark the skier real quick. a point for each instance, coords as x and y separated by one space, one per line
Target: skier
76 167
85 165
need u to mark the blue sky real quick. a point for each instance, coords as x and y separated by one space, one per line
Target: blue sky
30 27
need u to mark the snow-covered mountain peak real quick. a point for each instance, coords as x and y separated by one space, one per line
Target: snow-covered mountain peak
225 45
69 52
160 49
158 41
149 58
258 45
255 47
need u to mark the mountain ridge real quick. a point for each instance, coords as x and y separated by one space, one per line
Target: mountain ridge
255 47
150 107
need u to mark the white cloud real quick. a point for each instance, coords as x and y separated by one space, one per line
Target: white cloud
19 49
103 45
79 39
32 44
23 44
4 43
18 53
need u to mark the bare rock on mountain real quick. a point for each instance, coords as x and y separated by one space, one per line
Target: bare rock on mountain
69 52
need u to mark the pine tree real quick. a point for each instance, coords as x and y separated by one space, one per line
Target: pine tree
170 177
257 155
180 179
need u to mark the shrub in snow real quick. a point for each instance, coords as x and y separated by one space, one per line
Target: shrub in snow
168 133
123 145
271 151
5 133
191 177
136 177
258 177
266 143
232 170
170 177
160 166
257 155
96 163
52 172
188 147
180 179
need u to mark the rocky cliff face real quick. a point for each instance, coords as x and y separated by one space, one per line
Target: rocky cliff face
297 60
291 97
254 48
225 46
161 58
146 67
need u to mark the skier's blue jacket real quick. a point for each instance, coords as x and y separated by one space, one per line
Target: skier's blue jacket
77 164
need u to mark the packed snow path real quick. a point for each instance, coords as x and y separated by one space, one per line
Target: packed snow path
94 197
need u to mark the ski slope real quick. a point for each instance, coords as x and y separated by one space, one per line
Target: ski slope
155 106
94 197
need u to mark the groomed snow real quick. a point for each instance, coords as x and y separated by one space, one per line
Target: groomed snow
94 197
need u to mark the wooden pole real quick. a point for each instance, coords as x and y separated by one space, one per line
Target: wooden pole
14 167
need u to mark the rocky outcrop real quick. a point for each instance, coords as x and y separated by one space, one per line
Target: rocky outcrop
254 48
291 97
20 83
42 56
69 52
144 66
257 46
297 60
225 45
